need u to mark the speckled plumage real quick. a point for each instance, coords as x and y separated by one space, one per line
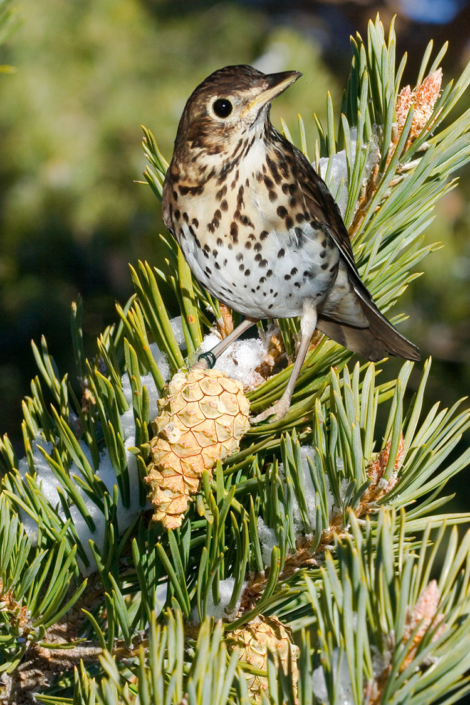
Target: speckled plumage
258 226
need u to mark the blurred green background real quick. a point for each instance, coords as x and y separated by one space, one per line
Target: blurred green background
87 73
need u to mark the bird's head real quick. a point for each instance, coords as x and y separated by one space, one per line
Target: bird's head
231 104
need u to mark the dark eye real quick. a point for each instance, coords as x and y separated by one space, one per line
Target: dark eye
222 107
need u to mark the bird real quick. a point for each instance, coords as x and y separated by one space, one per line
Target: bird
259 228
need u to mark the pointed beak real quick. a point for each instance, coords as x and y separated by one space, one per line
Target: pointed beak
277 84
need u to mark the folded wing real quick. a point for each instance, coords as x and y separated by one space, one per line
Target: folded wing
349 315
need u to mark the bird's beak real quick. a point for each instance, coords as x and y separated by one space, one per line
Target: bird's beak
277 84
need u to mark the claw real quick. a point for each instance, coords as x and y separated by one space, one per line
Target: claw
277 410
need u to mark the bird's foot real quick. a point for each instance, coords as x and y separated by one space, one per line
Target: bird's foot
276 412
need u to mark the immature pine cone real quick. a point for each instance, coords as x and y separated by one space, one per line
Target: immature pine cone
252 643
202 419
423 98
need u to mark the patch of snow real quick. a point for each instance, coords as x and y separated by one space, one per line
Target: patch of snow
126 388
149 382
85 534
343 489
241 359
380 661
162 361
306 453
339 167
226 591
268 540
160 597
128 423
126 515
48 484
105 471
339 464
341 677
383 483
107 475
127 419
29 525
320 690
177 328
45 480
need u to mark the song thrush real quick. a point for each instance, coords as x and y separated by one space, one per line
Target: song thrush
258 226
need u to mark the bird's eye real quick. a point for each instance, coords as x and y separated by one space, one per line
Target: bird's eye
222 107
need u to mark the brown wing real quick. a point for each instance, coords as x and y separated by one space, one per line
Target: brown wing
323 207
380 337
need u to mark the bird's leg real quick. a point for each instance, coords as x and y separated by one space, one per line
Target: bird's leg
209 358
281 407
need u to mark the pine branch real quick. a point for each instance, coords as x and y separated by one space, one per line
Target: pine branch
322 520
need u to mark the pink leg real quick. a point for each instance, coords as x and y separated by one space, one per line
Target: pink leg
281 407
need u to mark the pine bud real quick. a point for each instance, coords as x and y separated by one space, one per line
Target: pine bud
376 470
423 98
424 615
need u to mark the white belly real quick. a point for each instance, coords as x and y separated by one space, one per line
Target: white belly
272 282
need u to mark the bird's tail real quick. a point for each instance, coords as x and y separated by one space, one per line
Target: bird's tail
375 342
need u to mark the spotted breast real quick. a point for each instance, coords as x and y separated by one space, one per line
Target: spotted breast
250 239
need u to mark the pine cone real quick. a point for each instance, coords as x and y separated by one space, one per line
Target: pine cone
252 643
202 419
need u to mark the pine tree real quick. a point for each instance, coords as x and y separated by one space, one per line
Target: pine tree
295 562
